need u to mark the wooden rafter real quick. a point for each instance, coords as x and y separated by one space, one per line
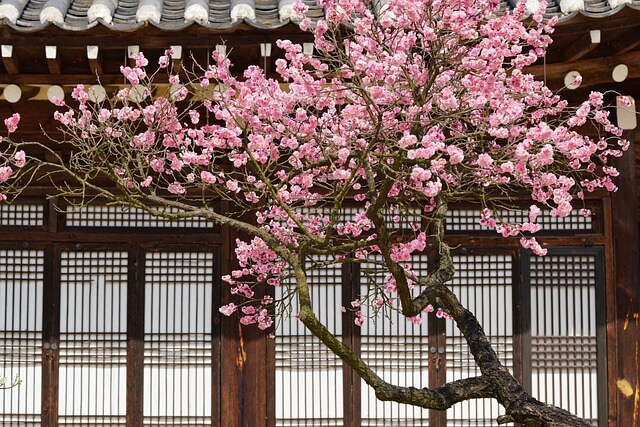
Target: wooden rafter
265 57
10 59
583 46
95 60
176 58
132 51
53 60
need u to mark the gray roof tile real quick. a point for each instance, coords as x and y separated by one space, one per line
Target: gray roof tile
217 15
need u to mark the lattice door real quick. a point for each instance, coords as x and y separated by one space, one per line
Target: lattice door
484 284
178 338
309 378
21 299
565 326
93 338
398 350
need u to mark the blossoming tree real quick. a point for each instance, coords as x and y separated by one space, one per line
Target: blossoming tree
412 105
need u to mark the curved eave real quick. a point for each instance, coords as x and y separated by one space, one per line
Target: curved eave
621 11
243 24
603 15
97 28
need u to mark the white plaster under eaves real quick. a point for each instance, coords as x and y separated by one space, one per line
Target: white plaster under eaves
532 6
9 12
286 10
99 11
242 11
148 12
51 14
616 3
196 12
568 6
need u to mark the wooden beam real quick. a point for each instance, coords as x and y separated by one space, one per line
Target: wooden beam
308 48
594 71
626 291
53 92
53 60
29 92
351 336
66 79
579 25
583 46
625 43
244 379
95 60
149 38
97 93
9 59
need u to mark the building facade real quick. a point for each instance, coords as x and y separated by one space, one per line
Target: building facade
111 316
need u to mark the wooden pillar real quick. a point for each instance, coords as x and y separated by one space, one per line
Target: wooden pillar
436 353
216 337
244 354
351 336
135 339
625 292
51 337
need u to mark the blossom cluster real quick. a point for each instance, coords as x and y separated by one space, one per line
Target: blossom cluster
423 102
15 158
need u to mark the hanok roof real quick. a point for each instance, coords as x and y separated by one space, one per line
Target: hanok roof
568 9
129 15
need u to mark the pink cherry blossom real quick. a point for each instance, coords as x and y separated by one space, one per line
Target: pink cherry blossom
163 61
176 188
359 319
141 61
207 177
441 314
416 320
19 158
79 94
5 173
12 122
228 309
232 185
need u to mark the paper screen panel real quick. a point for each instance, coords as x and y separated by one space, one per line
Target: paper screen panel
93 338
309 377
483 284
21 299
397 349
468 220
564 352
178 338
100 216
21 215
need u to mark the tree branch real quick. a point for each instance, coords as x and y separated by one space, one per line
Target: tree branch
443 397
439 398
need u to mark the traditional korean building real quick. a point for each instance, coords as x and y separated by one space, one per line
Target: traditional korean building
110 316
